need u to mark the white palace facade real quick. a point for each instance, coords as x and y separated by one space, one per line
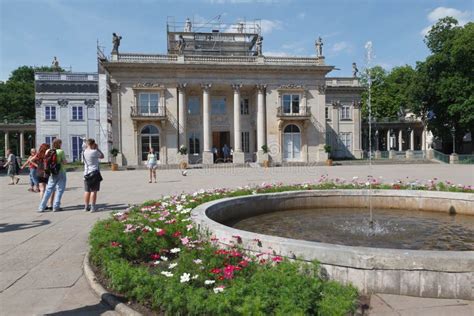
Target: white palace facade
215 88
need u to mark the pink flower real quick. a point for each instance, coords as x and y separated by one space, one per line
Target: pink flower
277 259
154 256
115 244
185 241
160 232
229 272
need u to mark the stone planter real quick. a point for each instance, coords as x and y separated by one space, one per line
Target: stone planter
114 167
329 162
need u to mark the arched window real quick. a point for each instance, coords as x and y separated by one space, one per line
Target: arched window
291 143
150 137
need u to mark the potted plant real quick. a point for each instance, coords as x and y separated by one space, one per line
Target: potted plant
183 151
114 152
328 149
266 161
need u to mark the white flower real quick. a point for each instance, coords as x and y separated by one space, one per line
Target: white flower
167 274
208 282
197 261
164 258
175 250
195 277
179 207
156 262
172 265
184 278
218 289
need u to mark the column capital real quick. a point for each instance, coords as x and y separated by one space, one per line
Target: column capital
236 87
322 89
206 86
181 86
357 104
336 104
261 87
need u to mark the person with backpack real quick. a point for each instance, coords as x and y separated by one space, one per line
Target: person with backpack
43 177
12 165
92 177
54 167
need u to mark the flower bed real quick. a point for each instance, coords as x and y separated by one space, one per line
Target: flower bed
153 255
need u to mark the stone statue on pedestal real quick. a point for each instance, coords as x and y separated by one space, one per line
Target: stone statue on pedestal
188 26
116 42
429 139
259 45
180 45
355 71
319 47
55 64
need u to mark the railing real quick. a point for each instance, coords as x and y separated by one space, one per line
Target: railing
384 154
304 112
419 154
203 59
64 76
466 159
400 155
440 156
145 112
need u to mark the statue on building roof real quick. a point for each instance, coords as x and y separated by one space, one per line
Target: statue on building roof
319 47
259 45
355 71
181 44
240 27
55 64
116 42
188 26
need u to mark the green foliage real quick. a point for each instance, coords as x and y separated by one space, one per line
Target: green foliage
17 94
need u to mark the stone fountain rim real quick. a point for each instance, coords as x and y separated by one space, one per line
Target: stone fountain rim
340 255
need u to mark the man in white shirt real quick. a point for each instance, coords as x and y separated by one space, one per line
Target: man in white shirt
92 176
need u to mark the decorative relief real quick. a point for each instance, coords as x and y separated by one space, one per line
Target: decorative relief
292 86
236 87
89 103
336 103
261 87
182 86
63 103
357 104
206 86
38 102
148 85
322 89
220 120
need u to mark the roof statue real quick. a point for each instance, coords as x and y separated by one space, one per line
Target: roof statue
240 27
116 42
259 45
355 71
181 45
319 47
55 63
188 26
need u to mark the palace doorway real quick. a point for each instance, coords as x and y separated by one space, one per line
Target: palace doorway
219 140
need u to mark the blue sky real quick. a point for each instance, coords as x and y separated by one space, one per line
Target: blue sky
33 31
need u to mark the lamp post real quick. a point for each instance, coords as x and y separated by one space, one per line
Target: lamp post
453 133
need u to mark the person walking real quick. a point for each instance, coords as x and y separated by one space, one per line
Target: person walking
92 177
32 166
152 164
226 153
43 177
12 165
57 178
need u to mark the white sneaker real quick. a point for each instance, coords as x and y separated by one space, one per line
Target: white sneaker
93 209
87 208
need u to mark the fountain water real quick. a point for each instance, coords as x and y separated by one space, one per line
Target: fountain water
369 56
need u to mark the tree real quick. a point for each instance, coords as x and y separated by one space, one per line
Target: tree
445 80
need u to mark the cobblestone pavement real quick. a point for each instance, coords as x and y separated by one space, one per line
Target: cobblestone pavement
41 254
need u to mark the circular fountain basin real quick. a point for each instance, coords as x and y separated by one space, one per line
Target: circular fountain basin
372 267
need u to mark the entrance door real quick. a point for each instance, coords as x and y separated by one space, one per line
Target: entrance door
291 143
150 138
219 139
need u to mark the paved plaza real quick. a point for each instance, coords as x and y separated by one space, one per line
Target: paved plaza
41 254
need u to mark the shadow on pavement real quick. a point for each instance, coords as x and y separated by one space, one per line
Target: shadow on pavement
100 207
5 227
97 309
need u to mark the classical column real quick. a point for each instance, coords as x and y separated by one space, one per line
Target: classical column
412 139
260 121
400 140
207 155
388 140
22 144
356 119
182 114
335 125
239 156
7 143
423 140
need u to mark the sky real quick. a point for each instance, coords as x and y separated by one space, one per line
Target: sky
33 31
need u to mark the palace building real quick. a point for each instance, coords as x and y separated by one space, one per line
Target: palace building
215 87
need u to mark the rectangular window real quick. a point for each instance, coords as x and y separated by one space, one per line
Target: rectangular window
244 106
50 113
245 142
49 140
149 103
218 105
77 113
194 143
194 107
76 148
346 139
291 103
345 112
327 113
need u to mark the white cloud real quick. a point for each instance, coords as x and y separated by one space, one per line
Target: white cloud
276 54
440 12
302 15
341 47
267 26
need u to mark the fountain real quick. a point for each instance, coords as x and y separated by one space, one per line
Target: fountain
369 56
